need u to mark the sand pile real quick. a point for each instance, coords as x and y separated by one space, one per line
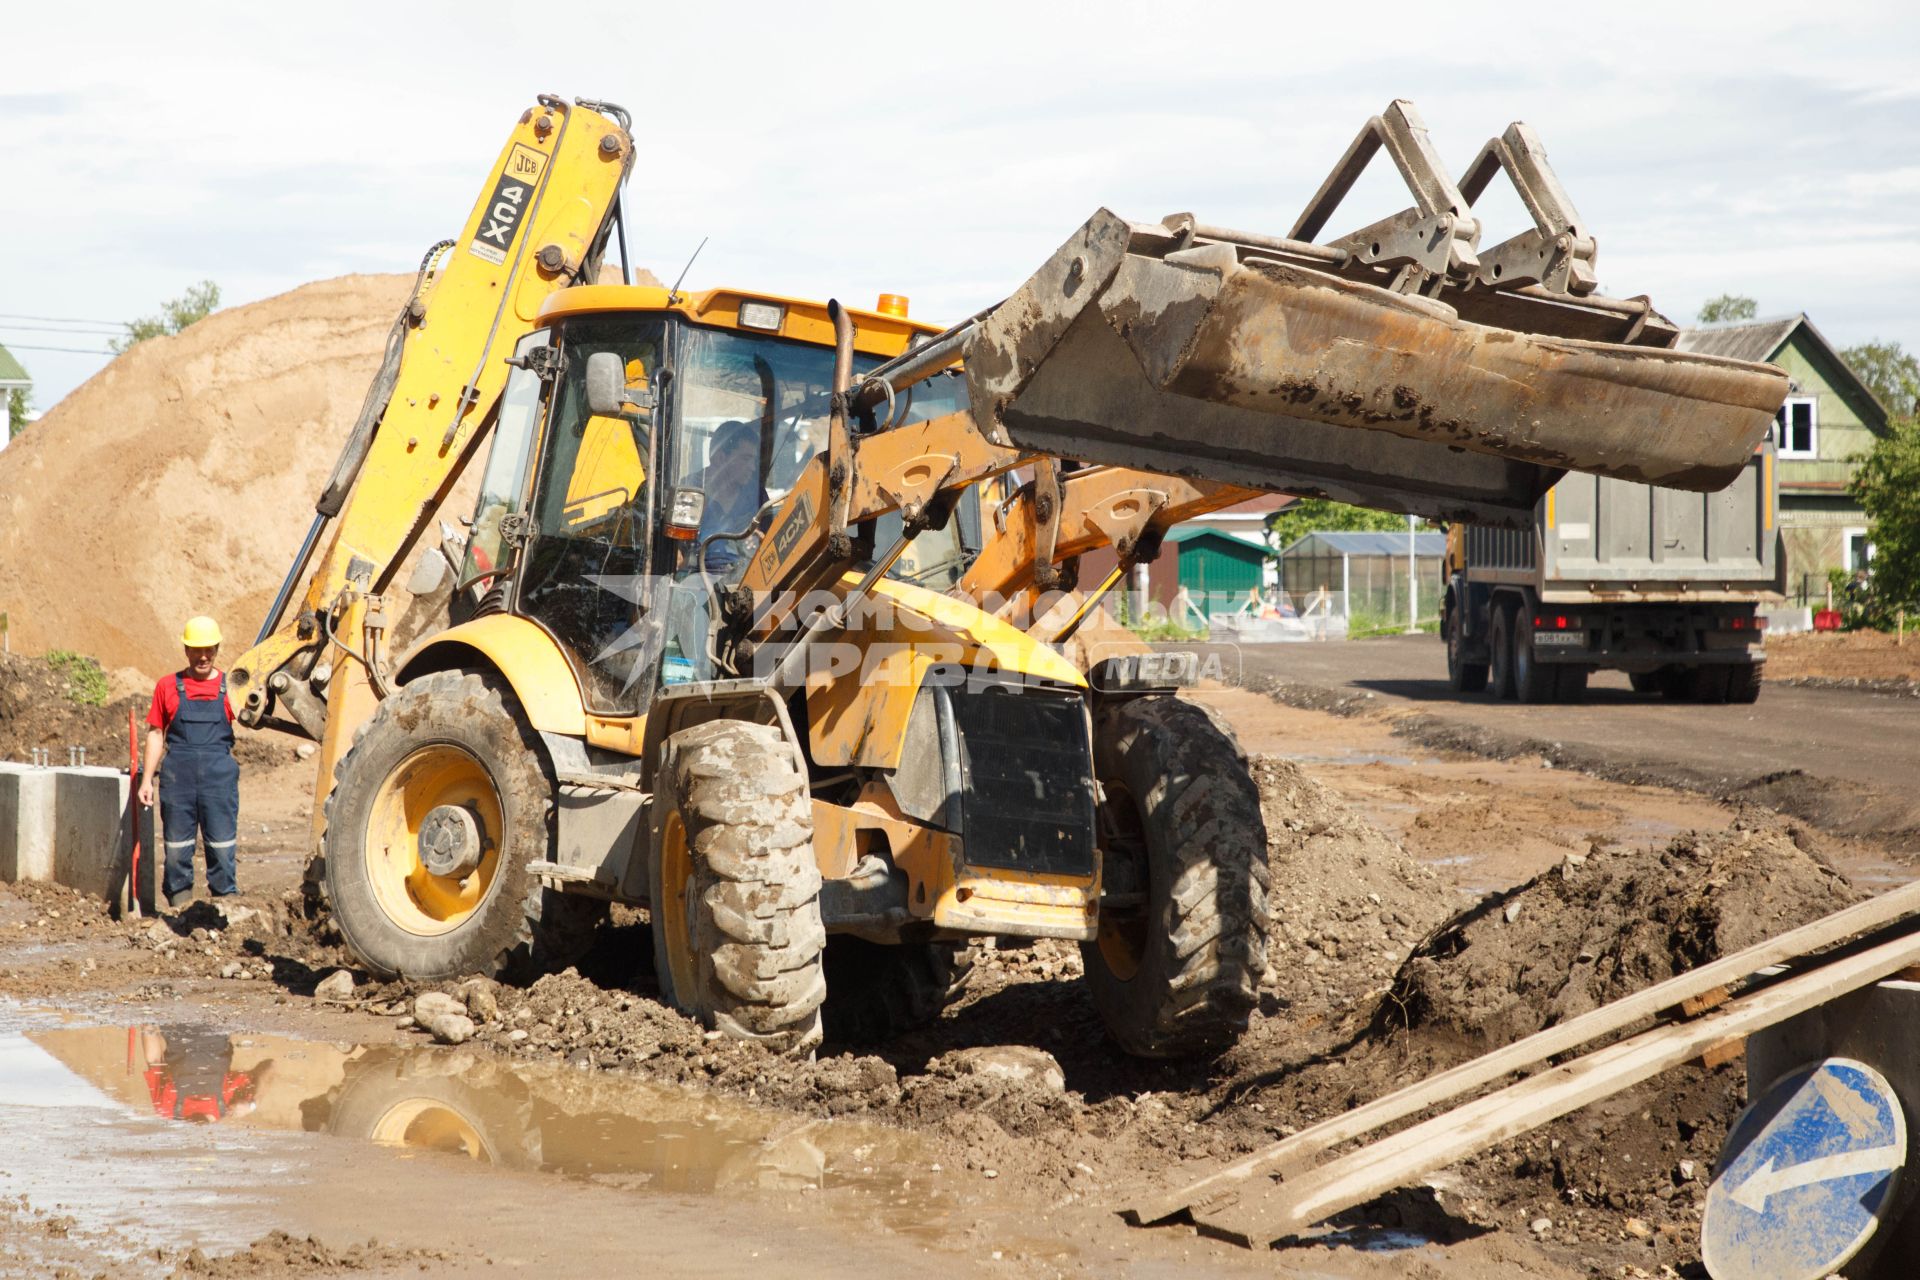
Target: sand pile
1605 925
179 479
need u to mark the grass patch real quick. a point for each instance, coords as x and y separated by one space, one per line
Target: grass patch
86 682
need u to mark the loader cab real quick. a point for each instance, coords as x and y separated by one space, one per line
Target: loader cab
596 526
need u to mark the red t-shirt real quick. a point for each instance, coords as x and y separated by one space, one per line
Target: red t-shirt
166 698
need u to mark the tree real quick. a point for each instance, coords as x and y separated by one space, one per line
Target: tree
1886 483
1310 515
19 405
175 314
1728 306
1886 480
1890 371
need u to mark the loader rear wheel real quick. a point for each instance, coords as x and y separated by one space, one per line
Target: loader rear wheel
1178 974
876 992
734 889
1463 675
435 813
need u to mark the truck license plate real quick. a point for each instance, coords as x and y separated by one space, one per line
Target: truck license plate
1561 638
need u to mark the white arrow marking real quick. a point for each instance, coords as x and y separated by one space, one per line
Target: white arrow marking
1768 1181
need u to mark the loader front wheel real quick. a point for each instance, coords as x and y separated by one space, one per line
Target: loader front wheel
878 991
1176 969
435 813
734 889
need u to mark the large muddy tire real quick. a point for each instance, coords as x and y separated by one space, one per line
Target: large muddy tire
1743 682
1464 676
1178 974
449 757
1501 640
734 889
876 992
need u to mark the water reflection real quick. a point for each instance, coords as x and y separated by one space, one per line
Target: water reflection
479 1107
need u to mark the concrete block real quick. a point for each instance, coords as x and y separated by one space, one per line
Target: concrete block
26 822
90 830
1787 620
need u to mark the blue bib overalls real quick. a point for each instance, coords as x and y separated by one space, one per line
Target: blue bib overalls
200 791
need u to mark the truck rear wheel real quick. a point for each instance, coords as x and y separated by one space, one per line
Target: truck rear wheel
1708 683
435 813
879 991
1743 683
1177 973
1462 675
1533 680
1501 640
734 889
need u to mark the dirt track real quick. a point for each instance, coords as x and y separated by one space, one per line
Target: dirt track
1375 839
1842 759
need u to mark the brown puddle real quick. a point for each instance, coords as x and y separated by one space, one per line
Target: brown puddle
131 1128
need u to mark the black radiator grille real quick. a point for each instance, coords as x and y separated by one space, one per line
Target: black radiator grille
1026 779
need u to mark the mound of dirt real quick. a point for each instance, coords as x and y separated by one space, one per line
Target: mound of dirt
41 706
179 479
1604 925
1348 902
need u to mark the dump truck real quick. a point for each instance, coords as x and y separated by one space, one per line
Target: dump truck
1664 584
706 646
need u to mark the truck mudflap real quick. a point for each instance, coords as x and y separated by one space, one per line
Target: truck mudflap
1397 367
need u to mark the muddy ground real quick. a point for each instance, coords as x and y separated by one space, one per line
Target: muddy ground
1007 1134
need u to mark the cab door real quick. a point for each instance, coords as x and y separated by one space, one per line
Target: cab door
585 573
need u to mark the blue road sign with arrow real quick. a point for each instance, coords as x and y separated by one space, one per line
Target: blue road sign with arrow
1806 1172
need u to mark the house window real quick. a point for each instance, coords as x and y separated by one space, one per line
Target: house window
1796 427
1859 550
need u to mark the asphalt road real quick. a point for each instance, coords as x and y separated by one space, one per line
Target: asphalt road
1846 760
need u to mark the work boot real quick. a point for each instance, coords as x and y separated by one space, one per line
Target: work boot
179 901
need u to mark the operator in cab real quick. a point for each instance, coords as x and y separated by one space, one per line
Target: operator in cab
732 493
191 769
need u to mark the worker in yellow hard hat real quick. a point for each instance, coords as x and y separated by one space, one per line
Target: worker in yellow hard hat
190 766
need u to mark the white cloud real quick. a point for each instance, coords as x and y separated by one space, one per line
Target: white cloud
850 148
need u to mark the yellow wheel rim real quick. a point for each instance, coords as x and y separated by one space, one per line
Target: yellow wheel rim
670 913
411 896
427 1125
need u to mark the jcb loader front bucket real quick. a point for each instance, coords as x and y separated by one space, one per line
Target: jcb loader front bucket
1232 363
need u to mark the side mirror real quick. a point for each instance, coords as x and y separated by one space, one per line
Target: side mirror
608 395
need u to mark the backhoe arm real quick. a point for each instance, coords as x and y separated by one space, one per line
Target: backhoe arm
539 225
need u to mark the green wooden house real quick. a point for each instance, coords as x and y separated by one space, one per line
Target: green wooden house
1829 419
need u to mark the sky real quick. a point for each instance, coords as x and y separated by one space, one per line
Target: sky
939 151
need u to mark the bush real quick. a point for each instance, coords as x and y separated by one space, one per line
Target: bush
86 682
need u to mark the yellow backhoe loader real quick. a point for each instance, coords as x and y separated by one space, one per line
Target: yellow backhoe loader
717 640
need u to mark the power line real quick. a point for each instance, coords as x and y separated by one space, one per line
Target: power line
84 351
48 328
14 315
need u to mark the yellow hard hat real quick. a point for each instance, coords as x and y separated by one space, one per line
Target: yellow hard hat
201 633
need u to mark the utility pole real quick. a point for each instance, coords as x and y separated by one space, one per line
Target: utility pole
1413 580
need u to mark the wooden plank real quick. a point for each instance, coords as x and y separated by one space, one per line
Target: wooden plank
1257 1218
1296 1151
